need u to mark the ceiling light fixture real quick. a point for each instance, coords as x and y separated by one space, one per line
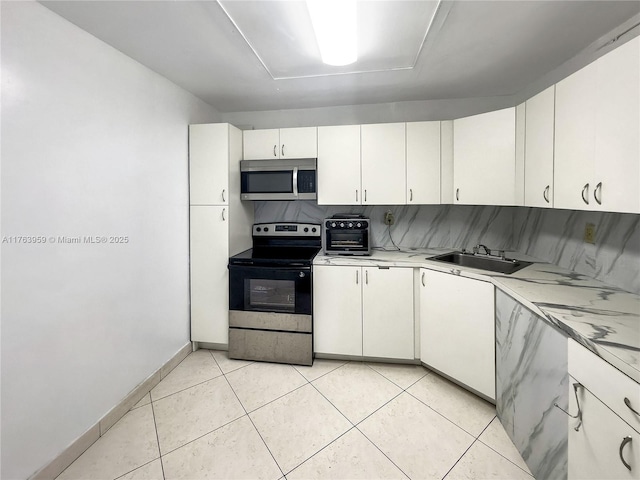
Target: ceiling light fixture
336 29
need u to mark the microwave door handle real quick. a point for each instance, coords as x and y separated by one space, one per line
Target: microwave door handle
295 181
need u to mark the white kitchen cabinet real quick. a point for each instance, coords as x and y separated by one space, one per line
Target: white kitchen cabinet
520 148
597 450
484 158
423 163
219 225
539 132
339 165
209 245
387 313
383 164
457 329
299 142
608 398
208 178
597 125
363 311
337 310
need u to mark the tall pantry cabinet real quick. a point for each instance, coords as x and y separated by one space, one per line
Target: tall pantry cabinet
219 225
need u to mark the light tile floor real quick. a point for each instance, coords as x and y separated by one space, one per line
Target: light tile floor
213 417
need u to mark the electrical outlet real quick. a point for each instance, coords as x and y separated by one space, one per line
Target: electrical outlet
590 233
389 219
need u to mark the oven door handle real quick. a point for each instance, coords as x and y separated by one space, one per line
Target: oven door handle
295 181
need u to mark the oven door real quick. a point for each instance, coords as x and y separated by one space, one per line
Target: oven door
276 289
346 242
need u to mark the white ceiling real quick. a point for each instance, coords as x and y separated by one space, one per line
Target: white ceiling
473 48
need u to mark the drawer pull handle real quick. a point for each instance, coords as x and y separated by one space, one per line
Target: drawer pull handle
625 440
423 280
282 151
223 195
275 150
545 194
577 415
457 194
627 402
411 194
357 278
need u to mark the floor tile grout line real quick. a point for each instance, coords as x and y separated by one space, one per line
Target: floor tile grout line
446 418
400 386
332 404
155 426
143 465
500 453
381 451
321 449
254 426
201 436
227 352
326 373
461 456
186 388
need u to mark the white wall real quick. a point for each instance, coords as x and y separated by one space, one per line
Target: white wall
93 144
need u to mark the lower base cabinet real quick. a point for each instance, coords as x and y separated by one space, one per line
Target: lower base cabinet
601 442
604 441
457 335
363 311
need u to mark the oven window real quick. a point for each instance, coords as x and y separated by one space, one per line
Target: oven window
347 239
271 295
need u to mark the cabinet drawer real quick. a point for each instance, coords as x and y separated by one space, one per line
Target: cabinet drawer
606 382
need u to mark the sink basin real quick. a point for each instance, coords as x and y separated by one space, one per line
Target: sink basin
481 262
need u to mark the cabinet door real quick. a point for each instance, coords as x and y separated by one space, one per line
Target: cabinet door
423 163
383 164
457 329
616 179
595 450
209 164
575 140
538 176
209 275
337 310
261 144
484 158
387 313
339 165
299 142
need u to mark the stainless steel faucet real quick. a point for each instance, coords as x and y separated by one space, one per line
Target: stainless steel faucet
477 248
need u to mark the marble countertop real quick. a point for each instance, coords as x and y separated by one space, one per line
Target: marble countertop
603 318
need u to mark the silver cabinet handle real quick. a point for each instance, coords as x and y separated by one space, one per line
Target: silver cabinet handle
275 150
457 194
423 280
625 440
357 277
223 217
356 195
597 193
365 194
366 277
223 199
411 194
627 402
585 194
577 415
282 150
545 194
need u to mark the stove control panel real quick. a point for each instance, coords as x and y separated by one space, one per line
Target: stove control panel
287 230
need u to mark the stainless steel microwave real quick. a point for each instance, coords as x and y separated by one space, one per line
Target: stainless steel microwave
278 179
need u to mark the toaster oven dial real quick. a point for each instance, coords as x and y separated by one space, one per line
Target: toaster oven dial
350 225
358 225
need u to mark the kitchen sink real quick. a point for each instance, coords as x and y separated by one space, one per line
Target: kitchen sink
482 262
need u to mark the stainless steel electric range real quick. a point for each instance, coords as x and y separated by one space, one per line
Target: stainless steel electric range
270 294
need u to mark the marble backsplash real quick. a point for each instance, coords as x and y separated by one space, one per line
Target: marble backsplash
554 236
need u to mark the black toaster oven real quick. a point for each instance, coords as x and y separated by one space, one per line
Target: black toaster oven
346 234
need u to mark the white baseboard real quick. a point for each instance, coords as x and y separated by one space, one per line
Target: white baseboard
57 465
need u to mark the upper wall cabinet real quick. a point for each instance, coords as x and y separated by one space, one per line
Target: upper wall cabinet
383 164
597 151
208 175
299 142
538 169
423 163
484 158
339 165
